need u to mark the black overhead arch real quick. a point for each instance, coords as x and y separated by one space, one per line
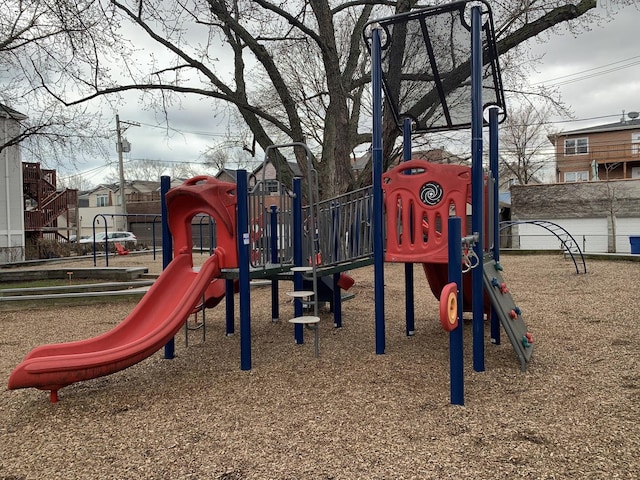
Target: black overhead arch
566 239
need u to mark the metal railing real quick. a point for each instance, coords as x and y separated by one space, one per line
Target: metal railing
345 230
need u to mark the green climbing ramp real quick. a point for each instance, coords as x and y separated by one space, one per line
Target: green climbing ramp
509 314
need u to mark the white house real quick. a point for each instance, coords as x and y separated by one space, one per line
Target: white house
12 240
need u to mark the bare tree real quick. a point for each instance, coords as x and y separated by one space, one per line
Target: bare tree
144 169
222 157
76 182
187 170
294 71
52 43
524 144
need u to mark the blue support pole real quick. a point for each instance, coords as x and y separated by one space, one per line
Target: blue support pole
456 344
477 190
408 267
378 216
167 248
297 255
273 225
337 301
337 294
229 307
243 270
493 166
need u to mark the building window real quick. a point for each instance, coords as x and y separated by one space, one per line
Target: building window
635 172
582 176
635 143
102 200
271 186
576 146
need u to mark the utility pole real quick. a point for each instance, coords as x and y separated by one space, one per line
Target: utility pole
122 147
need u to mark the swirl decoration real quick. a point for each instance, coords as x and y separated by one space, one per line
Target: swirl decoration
431 193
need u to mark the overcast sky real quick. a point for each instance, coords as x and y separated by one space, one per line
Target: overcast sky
598 74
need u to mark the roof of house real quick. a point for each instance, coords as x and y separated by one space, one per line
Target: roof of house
8 112
295 168
231 173
623 124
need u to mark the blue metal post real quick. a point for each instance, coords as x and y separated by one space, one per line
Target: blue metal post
297 254
243 270
167 247
229 307
337 294
273 225
456 344
493 166
408 267
378 217
337 301
477 191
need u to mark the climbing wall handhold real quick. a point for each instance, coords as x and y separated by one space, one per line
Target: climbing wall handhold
527 340
494 282
503 288
498 267
517 310
513 314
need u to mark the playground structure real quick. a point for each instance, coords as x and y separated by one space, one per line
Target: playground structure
567 242
276 237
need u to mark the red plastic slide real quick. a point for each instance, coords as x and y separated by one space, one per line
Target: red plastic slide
151 324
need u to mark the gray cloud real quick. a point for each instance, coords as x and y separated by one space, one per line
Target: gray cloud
587 55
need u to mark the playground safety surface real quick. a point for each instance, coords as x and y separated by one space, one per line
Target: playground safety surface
350 413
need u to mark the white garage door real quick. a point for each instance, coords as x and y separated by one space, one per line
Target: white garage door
624 228
589 233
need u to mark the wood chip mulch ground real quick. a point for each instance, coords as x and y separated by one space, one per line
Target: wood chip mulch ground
350 414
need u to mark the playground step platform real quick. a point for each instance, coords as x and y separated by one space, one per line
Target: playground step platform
301 293
505 308
311 322
305 320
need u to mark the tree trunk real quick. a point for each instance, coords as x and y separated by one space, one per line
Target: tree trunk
336 175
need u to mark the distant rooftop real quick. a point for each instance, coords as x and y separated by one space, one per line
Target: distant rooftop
629 121
8 112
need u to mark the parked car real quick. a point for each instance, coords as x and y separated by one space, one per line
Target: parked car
112 237
74 238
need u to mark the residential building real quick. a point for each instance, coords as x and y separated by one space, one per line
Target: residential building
269 173
12 240
602 152
101 208
226 175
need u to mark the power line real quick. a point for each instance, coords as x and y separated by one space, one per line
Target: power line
597 74
562 77
182 131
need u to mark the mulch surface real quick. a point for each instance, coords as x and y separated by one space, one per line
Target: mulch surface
350 413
